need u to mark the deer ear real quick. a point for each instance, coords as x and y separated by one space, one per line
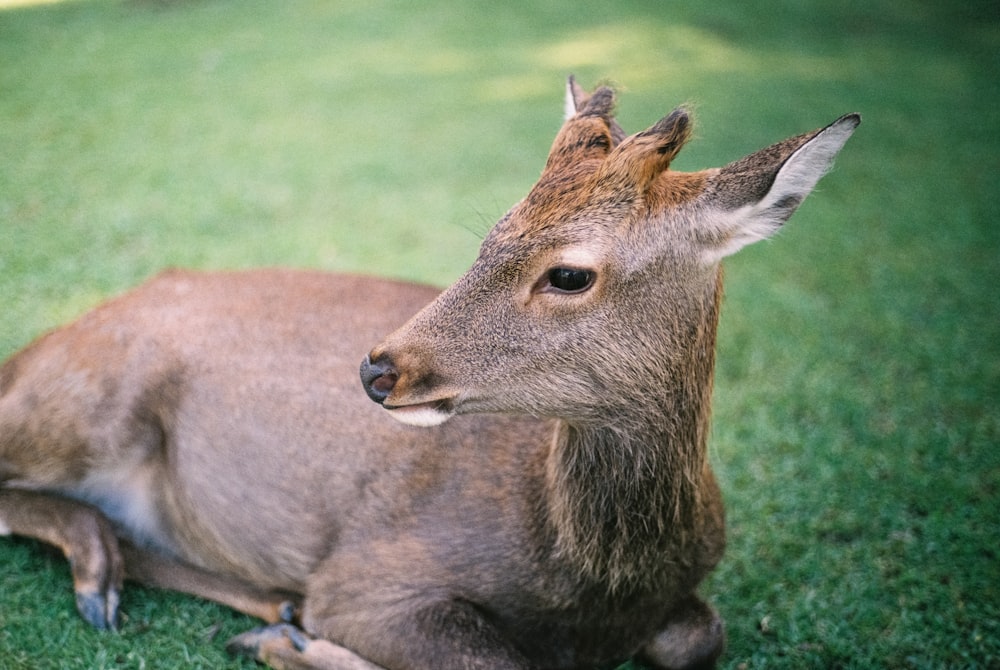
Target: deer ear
576 98
642 157
754 196
576 101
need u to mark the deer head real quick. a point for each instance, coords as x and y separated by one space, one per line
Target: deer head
597 294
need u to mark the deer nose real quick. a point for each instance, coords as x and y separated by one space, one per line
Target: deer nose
378 377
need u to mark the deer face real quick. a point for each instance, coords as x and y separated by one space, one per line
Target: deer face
598 291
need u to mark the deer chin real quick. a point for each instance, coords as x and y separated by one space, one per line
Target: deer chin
423 415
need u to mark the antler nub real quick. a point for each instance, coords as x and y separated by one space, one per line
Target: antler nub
644 156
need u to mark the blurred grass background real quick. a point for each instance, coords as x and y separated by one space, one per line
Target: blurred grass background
857 432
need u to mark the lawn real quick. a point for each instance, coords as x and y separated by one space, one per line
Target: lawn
856 423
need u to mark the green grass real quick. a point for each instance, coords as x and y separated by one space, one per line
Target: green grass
857 428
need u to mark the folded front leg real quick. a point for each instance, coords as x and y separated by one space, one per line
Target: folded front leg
85 537
284 647
445 636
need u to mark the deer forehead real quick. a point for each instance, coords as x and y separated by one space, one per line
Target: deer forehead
580 218
597 193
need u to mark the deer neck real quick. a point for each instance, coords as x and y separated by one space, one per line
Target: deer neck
625 496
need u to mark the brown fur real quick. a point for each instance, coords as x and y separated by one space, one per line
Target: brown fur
562 517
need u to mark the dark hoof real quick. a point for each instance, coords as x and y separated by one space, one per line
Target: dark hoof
98 609
288 612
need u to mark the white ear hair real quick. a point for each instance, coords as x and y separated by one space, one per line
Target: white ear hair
569 106
794 180
804 168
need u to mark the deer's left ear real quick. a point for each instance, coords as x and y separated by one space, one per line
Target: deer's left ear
754 196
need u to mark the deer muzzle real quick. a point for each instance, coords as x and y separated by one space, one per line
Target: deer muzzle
379 376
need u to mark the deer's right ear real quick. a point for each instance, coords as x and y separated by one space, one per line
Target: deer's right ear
754 196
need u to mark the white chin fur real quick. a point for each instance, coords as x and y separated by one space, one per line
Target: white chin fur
419 415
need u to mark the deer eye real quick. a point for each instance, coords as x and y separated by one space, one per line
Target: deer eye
570 280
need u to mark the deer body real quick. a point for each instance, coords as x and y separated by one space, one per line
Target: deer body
551 508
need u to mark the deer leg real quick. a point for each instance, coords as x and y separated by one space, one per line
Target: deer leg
285 647
446 636
693 639
99 561
157 570
85 537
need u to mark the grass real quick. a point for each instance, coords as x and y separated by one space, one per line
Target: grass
857 428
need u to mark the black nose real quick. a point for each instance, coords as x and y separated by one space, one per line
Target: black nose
378 378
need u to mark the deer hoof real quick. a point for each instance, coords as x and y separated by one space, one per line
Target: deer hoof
98 609
288 612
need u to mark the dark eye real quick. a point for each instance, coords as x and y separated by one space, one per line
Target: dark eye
570 280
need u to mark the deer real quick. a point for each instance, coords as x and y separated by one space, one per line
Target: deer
522 480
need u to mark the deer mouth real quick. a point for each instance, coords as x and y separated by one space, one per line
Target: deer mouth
424 414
